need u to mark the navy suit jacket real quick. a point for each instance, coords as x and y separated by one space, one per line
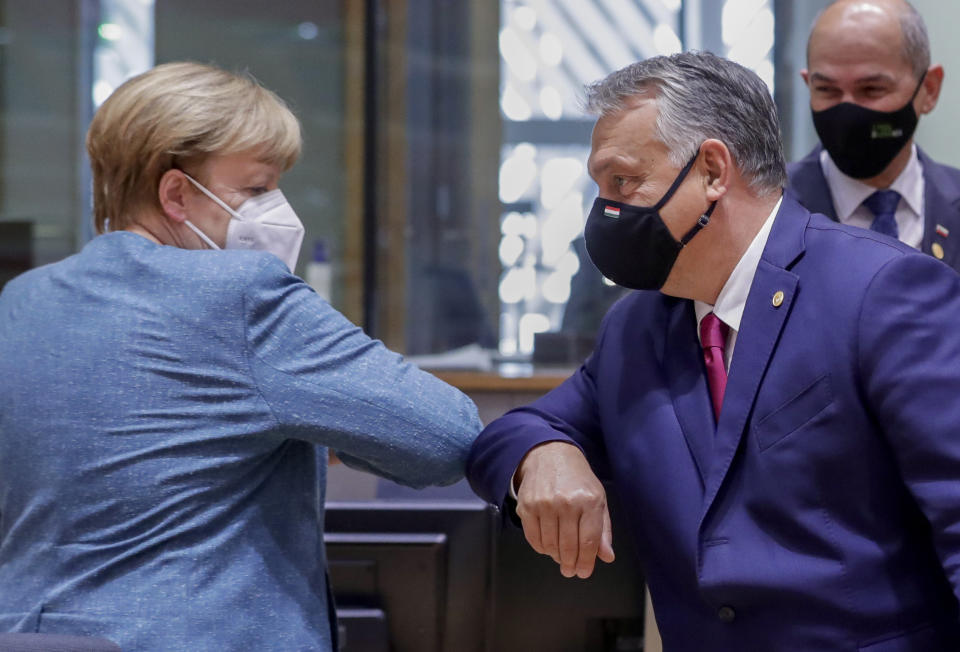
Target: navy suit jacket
822 512
941 199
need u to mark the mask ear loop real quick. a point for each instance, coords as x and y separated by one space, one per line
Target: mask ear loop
704 219
701 222
212 196
676 182
916 91
203 236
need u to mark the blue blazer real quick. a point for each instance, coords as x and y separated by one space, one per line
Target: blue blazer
164 422
941 199
822 512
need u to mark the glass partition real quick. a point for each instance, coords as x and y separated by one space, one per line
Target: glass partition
60 60
442 184
44 109
300 49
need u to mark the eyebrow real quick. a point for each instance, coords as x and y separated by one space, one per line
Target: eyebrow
879 77
596 169
593 171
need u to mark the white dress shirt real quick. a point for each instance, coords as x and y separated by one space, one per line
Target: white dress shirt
848 195
733 295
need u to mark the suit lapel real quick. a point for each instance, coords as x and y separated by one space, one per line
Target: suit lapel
809 186
940 198
768 306
756 341
688 386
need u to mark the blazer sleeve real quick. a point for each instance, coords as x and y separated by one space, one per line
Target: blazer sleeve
909 357
567 413
327 382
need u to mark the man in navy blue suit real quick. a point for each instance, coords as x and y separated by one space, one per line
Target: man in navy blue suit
780 421
870 79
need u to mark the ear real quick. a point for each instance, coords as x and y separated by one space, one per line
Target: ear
173 193
805 75
717 168
932 82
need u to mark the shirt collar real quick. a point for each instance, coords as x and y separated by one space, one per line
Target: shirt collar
848 193
733 295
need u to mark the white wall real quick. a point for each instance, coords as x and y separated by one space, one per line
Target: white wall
938 133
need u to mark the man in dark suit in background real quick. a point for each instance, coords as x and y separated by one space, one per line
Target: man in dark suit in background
869 76
779 421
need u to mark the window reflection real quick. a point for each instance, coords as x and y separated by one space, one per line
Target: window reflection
479 142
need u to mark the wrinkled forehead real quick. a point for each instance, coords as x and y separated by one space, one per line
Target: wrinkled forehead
626 137
634 121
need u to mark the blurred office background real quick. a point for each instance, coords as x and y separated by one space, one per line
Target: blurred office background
444 164
443 181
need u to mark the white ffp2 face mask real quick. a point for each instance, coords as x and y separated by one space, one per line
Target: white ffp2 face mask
266 222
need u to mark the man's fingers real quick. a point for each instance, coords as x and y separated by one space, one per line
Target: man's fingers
548 536
591 531
562 507
605 552
531 528
569 541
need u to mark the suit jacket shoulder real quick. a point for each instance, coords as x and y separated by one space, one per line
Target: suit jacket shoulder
941 200
808 186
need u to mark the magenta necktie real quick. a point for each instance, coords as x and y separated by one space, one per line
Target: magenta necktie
713 339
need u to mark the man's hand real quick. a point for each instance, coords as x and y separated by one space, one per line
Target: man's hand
563 508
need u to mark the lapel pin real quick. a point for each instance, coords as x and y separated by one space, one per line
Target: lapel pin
777 298
942 231
937 250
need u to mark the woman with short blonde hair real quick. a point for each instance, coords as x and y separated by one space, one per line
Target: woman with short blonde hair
174 116
169 395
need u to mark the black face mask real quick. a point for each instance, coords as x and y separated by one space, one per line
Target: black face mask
861 141
631 245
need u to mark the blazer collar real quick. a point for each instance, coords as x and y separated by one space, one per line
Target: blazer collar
686 377
808 183
786 242
765 314
941 195
712 444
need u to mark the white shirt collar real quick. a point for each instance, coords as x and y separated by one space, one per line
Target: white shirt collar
733 296
848 193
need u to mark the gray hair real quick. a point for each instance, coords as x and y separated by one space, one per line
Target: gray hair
916 42
700 96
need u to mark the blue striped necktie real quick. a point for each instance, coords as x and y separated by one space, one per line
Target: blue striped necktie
883 205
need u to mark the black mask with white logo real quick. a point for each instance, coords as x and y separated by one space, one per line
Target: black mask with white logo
861 141
631 245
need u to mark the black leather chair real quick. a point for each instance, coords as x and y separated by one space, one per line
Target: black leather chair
54 643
